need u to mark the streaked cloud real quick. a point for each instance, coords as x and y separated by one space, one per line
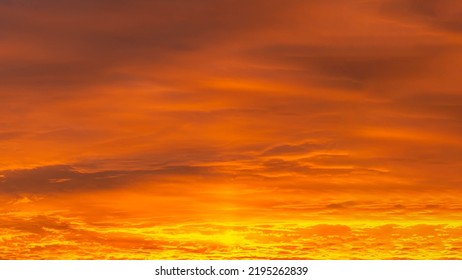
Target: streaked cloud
180 129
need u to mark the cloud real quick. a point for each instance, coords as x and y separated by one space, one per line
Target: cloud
10 135
443 14
291 149
287 167
76 45
352 66
66 179
38 237
447 105
35 225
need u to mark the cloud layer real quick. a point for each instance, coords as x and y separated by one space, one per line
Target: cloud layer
128 124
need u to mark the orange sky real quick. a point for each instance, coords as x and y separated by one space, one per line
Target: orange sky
177 129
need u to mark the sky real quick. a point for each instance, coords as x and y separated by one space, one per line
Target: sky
230 129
